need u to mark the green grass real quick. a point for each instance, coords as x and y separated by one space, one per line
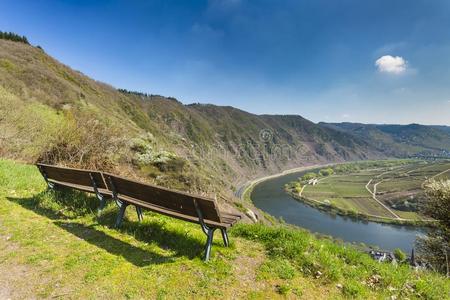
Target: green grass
444 176
54 246
398 181
347 192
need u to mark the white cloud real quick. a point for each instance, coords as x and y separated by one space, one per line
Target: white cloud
391 64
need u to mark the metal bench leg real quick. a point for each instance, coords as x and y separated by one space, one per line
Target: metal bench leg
209 241
101 206
139 213
118 203
121 214
225 237
209 231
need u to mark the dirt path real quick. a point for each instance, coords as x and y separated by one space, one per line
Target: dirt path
374 192
443 172
432 177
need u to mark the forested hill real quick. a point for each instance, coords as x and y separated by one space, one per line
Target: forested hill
400 140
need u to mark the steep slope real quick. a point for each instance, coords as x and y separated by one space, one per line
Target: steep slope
260 144
400 140
51 113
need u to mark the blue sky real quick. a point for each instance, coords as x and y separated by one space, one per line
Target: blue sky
380 61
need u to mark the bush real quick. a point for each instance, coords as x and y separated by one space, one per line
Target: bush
326 172
83 141
167 161
140 145
399 254
308 176
163 160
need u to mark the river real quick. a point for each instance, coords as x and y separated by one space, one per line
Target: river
269 195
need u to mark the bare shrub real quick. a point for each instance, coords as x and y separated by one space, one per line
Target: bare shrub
84 141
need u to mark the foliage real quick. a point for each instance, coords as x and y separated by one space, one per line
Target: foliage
435 247
326 172
399 254
297 187
362 165
139 94
142 146
83 141
328 262
409 140
162 159
308 176
13 37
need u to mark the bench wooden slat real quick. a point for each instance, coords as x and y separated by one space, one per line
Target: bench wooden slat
82 188
173 201
76 177
164 211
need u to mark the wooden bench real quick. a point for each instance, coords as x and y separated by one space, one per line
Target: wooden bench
180 205
125 192
83 180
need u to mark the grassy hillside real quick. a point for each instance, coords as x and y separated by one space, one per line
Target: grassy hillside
53 246
51 113
400 140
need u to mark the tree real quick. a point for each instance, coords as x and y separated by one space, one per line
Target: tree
309 176
326 172
13 37
435 247
297 187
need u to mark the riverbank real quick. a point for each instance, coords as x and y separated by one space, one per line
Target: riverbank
358 215
245 190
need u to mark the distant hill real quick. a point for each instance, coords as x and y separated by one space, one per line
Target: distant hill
441 127
49 112
400 140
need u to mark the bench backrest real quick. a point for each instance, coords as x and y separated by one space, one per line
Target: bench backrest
75 178
173 201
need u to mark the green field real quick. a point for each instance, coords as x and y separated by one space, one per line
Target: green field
397 188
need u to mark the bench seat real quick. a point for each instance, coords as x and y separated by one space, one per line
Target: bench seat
82 188
227 220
